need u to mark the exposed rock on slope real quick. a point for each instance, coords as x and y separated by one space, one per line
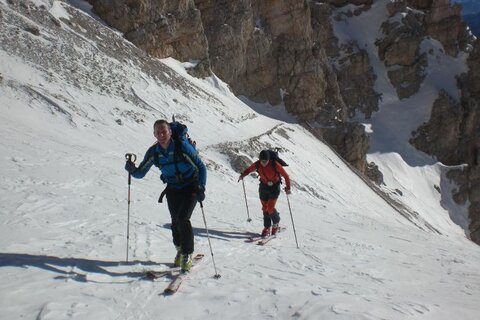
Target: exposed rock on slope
468 150
162 28
264 50
440 136
453 136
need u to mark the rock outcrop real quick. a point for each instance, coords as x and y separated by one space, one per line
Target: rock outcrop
452 135
162 28
350 141
441 135
228 26
444 23
350 80
469 145
399 47
264 51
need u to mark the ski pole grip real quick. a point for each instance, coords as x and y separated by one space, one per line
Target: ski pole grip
130 157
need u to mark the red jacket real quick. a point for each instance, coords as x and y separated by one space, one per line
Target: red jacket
268 174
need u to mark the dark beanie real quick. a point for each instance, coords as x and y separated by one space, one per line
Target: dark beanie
264 155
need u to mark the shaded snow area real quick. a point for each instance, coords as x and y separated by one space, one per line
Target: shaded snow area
75 97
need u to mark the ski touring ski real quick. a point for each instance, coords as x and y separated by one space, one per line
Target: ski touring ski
179 278
258 238
254 238
265 240
155 275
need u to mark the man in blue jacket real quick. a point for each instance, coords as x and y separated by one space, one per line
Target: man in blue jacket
185 175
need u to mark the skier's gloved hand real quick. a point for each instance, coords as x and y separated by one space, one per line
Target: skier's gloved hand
200 193
130 166
240 178
287 190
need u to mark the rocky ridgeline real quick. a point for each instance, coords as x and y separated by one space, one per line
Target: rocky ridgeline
286 50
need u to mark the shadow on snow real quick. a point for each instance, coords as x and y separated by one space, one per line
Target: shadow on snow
78 269
218 234
74 268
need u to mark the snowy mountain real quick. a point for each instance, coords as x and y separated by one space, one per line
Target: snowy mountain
75 96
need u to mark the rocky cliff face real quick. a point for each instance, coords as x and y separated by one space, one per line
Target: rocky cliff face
444 23
441 136
468 148
352 86
350 82
400 44
453 135
286 51
162 28
452 132
400 47
263 49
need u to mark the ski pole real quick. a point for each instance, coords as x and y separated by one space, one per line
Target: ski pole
216 276
291 216
129 157
246 203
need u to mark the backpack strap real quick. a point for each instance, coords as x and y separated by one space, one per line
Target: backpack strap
276 171
164 192
178 156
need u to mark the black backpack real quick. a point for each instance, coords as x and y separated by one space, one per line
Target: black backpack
180 133
273 158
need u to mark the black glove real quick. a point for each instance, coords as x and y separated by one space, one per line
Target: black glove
130 166
200 193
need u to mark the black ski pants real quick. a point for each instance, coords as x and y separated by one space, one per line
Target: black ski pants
268 198
181 203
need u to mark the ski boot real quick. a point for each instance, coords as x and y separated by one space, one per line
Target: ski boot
186 262
178 258
265 232
275 229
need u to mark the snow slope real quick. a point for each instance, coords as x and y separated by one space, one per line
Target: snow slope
77 97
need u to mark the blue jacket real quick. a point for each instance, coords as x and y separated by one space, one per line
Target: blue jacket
189 165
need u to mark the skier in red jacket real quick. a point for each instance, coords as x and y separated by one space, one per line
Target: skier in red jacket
269 189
